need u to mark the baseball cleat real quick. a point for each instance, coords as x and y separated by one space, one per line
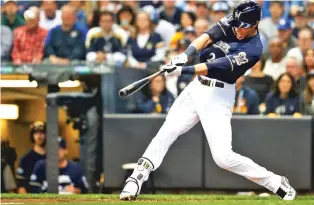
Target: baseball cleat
285 191
130 190
126 196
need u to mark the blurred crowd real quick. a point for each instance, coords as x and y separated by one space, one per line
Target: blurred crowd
145 34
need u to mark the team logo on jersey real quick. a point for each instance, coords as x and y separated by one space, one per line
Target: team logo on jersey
241 58
223 46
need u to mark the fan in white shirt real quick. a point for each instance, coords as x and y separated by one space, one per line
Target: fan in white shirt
50 17
275 65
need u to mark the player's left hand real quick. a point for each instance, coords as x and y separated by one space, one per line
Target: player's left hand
171 70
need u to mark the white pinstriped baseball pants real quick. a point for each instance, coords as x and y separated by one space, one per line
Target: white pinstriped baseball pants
213 107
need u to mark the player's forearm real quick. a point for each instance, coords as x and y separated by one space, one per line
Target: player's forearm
198 44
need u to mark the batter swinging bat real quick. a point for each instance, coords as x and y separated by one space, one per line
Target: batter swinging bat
134 87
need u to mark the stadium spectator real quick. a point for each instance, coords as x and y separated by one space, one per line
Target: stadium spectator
294 68
171 13
301 21
81 19
310 13
145 45
101 5
259 81
65 43
219 10
201 25
71 178
268 26
10 16
305 41
307 97
132 3
6 42
275 65
309 60
106 46
50 16
155 98
187 19
284 100
126 19
165 29
28 42
26 165
246 100
285 35
189 33
202 10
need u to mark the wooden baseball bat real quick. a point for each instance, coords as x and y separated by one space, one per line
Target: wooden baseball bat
134 87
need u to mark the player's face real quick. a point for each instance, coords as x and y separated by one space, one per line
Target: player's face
242 33
285 84
39 138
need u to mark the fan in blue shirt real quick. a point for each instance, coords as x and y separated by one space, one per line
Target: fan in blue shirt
146 45
66 43
155 97
284 100
71 178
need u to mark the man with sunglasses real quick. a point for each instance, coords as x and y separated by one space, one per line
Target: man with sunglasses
227 51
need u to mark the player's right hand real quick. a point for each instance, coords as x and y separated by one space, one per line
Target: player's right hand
179 60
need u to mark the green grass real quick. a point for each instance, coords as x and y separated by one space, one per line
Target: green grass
96 199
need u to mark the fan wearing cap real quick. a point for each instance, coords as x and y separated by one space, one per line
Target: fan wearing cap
227 50
28 43
285 28
10 16
219 10
71 178
27 162
268 26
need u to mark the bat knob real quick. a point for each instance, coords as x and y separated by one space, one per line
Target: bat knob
122 93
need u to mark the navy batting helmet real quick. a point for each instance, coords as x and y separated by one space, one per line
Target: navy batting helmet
246 14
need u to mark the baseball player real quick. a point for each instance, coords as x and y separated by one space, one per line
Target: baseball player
227 51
